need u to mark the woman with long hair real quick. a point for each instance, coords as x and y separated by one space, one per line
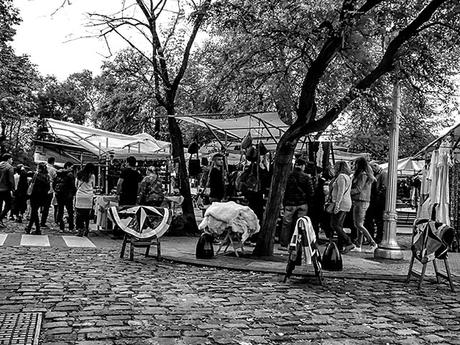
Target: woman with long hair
340 188
84 197
38 196
363 177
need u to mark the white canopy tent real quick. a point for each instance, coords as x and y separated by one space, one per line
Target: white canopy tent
101 143
407 166
263 127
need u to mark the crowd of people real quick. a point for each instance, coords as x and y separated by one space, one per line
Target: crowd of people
28 195
335 199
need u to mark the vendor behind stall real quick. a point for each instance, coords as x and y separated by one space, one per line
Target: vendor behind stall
128 183
151 191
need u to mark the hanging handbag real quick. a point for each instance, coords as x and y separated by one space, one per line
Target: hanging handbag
30 189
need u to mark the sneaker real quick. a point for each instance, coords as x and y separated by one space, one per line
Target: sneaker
348 248
356 249
373 248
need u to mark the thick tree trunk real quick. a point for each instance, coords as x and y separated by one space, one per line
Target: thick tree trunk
281 169
184 186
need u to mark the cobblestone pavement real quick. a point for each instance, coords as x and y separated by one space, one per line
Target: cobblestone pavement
91 297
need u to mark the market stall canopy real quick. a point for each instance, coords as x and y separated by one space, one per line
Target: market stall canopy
103 143
453 131
407 166
264 127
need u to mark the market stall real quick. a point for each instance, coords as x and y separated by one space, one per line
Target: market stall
440 187
107 150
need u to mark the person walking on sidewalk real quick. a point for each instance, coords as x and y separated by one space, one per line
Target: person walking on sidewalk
340 188
84 198
64 188
49 198
6 186
363 178
38 196
299 190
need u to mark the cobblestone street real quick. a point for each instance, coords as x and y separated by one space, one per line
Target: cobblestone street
90 296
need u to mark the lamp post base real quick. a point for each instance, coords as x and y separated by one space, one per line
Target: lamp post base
389 253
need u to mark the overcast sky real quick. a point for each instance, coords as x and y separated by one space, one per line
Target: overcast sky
49 39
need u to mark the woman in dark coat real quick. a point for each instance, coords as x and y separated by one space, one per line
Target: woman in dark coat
41 186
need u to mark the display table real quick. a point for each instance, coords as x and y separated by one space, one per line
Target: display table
101 205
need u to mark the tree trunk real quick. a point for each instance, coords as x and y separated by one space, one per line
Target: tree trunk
184 186
281 169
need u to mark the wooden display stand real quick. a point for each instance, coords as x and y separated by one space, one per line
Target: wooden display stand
231 239
135 242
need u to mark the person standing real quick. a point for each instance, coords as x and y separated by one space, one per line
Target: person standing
374 214
340 188
49 198
128 183
38 197
363 178
299 191
84 184
64 188
6 186
20 193
151 191
216 179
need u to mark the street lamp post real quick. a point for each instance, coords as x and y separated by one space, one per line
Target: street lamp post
389 248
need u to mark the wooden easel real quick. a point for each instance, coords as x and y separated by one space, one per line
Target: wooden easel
230 241
135 242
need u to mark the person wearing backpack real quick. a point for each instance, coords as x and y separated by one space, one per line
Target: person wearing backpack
299 191
40 186
64 189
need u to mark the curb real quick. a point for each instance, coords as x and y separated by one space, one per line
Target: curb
303 273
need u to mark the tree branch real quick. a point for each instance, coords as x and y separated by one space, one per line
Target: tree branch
385 66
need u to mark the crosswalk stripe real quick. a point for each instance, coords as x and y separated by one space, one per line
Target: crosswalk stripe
35 240
78 242
2 239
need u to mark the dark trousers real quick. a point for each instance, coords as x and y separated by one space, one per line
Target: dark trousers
46 208
374 220
5 203
34 219
337 220
64 201
82 220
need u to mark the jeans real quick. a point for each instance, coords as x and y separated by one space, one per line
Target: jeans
287 228
5 203
46 208
64 201
337 220
34 219
359 214
82 220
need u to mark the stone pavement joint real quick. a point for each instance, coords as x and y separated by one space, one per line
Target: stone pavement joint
20 328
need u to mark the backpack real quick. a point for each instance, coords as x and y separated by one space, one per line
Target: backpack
59 183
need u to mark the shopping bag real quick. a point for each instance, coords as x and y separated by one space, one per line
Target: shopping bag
332 259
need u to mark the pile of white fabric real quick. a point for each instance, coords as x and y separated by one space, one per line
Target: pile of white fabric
221 215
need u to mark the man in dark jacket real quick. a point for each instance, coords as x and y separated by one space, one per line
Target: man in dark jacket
374 214
6 185
299 190
64 187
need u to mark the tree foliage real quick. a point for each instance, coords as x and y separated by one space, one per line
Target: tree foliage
318 59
